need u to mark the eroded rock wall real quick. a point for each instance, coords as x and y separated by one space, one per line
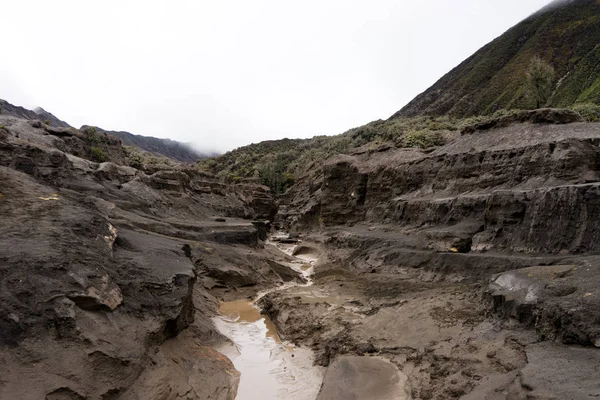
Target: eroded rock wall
107 272
524 188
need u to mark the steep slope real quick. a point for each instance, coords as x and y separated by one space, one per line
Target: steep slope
566 34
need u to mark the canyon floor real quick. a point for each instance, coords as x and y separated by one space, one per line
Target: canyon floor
436 339
468 271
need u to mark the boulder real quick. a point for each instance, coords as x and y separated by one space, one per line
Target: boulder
363 378
561 301
558 372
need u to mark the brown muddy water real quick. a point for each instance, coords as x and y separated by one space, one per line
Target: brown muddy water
270 368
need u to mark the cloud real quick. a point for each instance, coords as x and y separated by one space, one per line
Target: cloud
222 74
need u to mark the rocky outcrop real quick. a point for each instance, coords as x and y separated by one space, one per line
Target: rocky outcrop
560 302
259 198
107 272
462 265
504 181
541 116
180 370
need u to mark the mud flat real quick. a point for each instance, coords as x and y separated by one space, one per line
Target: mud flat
274 368
419 334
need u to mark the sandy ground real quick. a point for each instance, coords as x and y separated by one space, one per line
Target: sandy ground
440 336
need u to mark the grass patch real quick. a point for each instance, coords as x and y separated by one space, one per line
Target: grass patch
589 112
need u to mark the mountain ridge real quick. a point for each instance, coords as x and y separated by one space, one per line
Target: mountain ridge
167 147
173 149
39 113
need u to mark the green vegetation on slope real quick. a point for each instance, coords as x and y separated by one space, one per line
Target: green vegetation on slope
149 162
277 163
165 147
565 36
540 81
550 59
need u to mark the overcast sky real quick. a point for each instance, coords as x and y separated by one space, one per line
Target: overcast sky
222 74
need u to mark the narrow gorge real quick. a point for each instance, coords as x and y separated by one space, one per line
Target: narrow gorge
467 271
450 251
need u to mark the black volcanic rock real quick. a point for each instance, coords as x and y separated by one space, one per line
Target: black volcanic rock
102 268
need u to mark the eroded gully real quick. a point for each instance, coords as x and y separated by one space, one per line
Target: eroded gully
270 368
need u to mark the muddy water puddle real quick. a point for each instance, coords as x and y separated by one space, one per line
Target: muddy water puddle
244 312
270 368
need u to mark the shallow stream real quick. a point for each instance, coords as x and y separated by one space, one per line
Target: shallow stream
270 368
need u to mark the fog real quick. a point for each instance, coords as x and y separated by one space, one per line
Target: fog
222 74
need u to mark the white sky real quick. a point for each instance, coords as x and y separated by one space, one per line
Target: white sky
225 73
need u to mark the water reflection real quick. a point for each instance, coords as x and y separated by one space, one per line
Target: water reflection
269 368
243 311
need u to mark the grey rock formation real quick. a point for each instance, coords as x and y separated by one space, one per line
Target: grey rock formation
466 265
109 275
364 378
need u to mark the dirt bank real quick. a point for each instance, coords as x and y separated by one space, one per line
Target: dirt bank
440 328
464 265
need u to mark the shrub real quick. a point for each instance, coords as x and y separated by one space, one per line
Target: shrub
540 81
89 130
135 161
288 180
98 154
423 139
134 158
91 135
589 112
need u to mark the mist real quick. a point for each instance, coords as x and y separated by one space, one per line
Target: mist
225 74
